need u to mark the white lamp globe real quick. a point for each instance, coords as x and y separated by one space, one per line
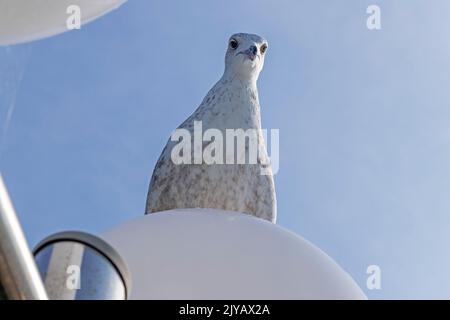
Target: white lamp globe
215 254
28 20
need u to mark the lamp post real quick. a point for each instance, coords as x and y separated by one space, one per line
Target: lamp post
19 276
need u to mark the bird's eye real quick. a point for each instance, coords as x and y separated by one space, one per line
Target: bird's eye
263 48
233 44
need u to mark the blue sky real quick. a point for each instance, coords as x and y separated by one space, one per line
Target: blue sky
363 116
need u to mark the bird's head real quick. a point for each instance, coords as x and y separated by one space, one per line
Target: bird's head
245 55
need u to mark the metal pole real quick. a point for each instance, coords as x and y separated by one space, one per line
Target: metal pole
18 273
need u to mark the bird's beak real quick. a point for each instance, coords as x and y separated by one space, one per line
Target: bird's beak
250 53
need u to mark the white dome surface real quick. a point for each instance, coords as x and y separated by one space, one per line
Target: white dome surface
215 254
27 20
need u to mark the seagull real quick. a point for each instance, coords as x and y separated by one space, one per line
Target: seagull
232 104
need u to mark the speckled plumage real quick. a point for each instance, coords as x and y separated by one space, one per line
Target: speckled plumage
231 104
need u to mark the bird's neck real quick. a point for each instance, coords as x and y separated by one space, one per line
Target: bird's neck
241 101
247 81
241 84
